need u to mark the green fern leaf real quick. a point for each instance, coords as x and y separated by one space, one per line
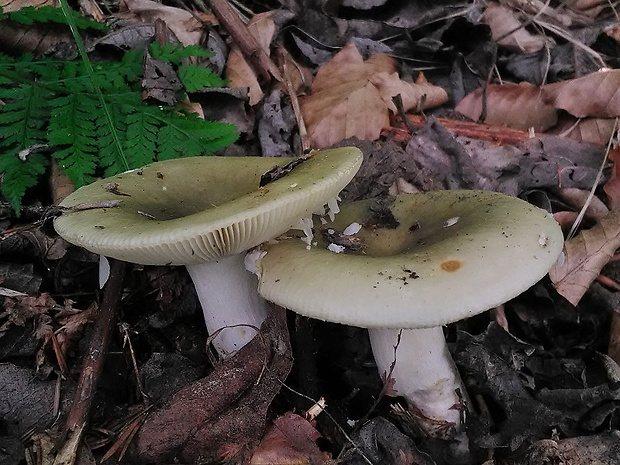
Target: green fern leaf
141 137
24 116
48 14
72 134
176 53
197 78
18 175
186 136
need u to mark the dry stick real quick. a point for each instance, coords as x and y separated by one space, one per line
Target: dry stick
303 132
92 364
247 43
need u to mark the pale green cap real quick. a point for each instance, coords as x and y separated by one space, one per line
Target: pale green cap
424 260
193 210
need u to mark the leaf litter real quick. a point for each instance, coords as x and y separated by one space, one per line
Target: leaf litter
542 388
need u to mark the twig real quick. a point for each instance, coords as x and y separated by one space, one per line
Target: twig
93 361
303 133
248 45
398 103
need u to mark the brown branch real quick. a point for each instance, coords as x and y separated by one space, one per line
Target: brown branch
92 364
247 43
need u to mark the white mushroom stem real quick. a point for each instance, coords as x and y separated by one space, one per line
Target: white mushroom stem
424 372
230 302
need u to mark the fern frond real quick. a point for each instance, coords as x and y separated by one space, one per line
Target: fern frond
72 134
188 135
24 116
196 78
141 137
48 14
176 53
18 175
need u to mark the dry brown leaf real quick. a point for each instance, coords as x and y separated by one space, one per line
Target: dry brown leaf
291 440
238 71
182 23
422 94
220 417
590 8
502 21
614 33
21 38
595 95
612 187
14 5
352 97
585 256
518 106
590 130
18 310
579 198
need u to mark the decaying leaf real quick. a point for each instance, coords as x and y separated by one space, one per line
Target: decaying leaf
595 95
591 130
524 106
238 70
14 5
585 256
502 21
291 440
352 97
182 23
612 187
18 310
223 415
519 106
20 38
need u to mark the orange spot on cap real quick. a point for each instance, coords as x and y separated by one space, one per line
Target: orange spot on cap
451 265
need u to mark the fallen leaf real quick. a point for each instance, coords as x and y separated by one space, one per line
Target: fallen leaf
223 415
612 187
238 71
591 8
14 5
18 310
352 97
422 94
578 198
182 23
502 21
595 95
591 130
291 440
519 106
585 256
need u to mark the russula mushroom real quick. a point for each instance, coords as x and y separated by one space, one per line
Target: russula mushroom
204 213
416 263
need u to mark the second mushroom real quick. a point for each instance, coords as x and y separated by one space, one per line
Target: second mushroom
405 266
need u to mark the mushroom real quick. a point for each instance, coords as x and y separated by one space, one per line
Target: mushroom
407 267
204 213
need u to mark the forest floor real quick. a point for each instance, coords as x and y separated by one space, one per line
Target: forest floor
520 98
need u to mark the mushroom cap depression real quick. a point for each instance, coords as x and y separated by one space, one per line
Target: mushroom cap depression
419 260
193 210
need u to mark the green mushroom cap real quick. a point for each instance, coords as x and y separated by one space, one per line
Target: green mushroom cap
420 260
193 210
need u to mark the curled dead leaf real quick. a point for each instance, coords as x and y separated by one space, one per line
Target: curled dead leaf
290 440
238 71
590 130
506 26
595 95
352 97
518 106
585 256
